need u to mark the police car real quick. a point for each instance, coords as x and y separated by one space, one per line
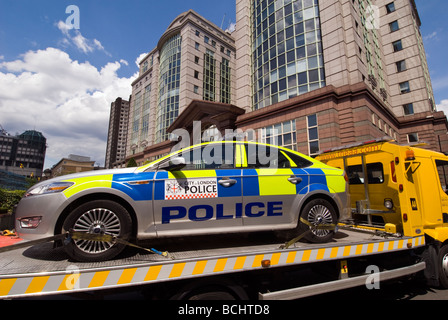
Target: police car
215 187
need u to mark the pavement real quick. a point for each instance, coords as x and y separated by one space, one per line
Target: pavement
8 240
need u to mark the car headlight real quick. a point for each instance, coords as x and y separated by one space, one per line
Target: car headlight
54 187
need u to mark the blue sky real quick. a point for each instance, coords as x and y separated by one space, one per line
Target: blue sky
61 81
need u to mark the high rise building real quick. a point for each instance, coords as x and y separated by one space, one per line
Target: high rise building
194 60
23 154
306 74
117 134
343 70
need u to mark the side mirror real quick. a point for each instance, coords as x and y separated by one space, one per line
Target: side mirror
173 164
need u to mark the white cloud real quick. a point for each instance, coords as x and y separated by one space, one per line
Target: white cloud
430 36
140 58
231 28
81 43
68 101
443 106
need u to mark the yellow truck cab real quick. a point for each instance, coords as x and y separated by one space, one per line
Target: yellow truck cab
399 188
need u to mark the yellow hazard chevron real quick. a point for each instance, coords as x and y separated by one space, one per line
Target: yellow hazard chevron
83 280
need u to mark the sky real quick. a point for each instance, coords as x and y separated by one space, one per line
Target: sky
62 66
60 78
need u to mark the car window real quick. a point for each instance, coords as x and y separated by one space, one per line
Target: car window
375 174
211 156
261 156
297 160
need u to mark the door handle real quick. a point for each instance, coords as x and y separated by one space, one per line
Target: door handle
227 182
295 180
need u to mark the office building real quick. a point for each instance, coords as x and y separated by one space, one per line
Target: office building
343 70
117 134
23 154
306 74
194 60
72 164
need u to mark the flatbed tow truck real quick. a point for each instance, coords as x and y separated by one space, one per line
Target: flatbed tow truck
403 235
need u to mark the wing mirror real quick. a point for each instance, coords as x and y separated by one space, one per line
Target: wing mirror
174 164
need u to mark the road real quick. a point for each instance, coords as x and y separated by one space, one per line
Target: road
409 289
404 290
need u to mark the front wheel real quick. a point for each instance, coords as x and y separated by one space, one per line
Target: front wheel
318 212
99 217
443 266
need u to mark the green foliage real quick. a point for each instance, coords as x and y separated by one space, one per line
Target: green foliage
8 199
132 163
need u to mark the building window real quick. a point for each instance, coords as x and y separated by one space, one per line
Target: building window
196 45
196 59
196 74
390 7
398 46
209 76
196 89
408 109
147 100
145 66
198 33
404 87
145 126
401 65
412 137
287 50
225 81
280 134
313 134
394 26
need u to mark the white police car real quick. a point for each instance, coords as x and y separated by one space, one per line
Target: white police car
217 187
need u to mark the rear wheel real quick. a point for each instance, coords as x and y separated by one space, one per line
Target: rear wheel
99 217
318 212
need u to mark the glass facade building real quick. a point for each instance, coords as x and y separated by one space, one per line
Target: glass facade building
169 84
287 50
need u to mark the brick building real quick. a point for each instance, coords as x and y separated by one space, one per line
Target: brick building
312 74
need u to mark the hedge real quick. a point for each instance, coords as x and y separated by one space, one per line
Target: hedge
8 199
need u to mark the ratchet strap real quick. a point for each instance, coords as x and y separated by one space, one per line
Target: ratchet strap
312 228
75 235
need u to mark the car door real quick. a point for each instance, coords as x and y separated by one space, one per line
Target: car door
203 196
272 183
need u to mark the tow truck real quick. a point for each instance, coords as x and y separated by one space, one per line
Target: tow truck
399 228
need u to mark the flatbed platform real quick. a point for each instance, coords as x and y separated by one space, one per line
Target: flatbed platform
42 270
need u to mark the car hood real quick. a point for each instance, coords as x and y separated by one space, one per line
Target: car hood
86 174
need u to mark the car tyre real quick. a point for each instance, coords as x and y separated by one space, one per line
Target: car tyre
443 266
317 212
97 217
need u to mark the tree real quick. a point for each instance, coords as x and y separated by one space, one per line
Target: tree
132 163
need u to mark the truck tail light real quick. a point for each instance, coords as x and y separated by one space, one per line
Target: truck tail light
405 217
392 171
